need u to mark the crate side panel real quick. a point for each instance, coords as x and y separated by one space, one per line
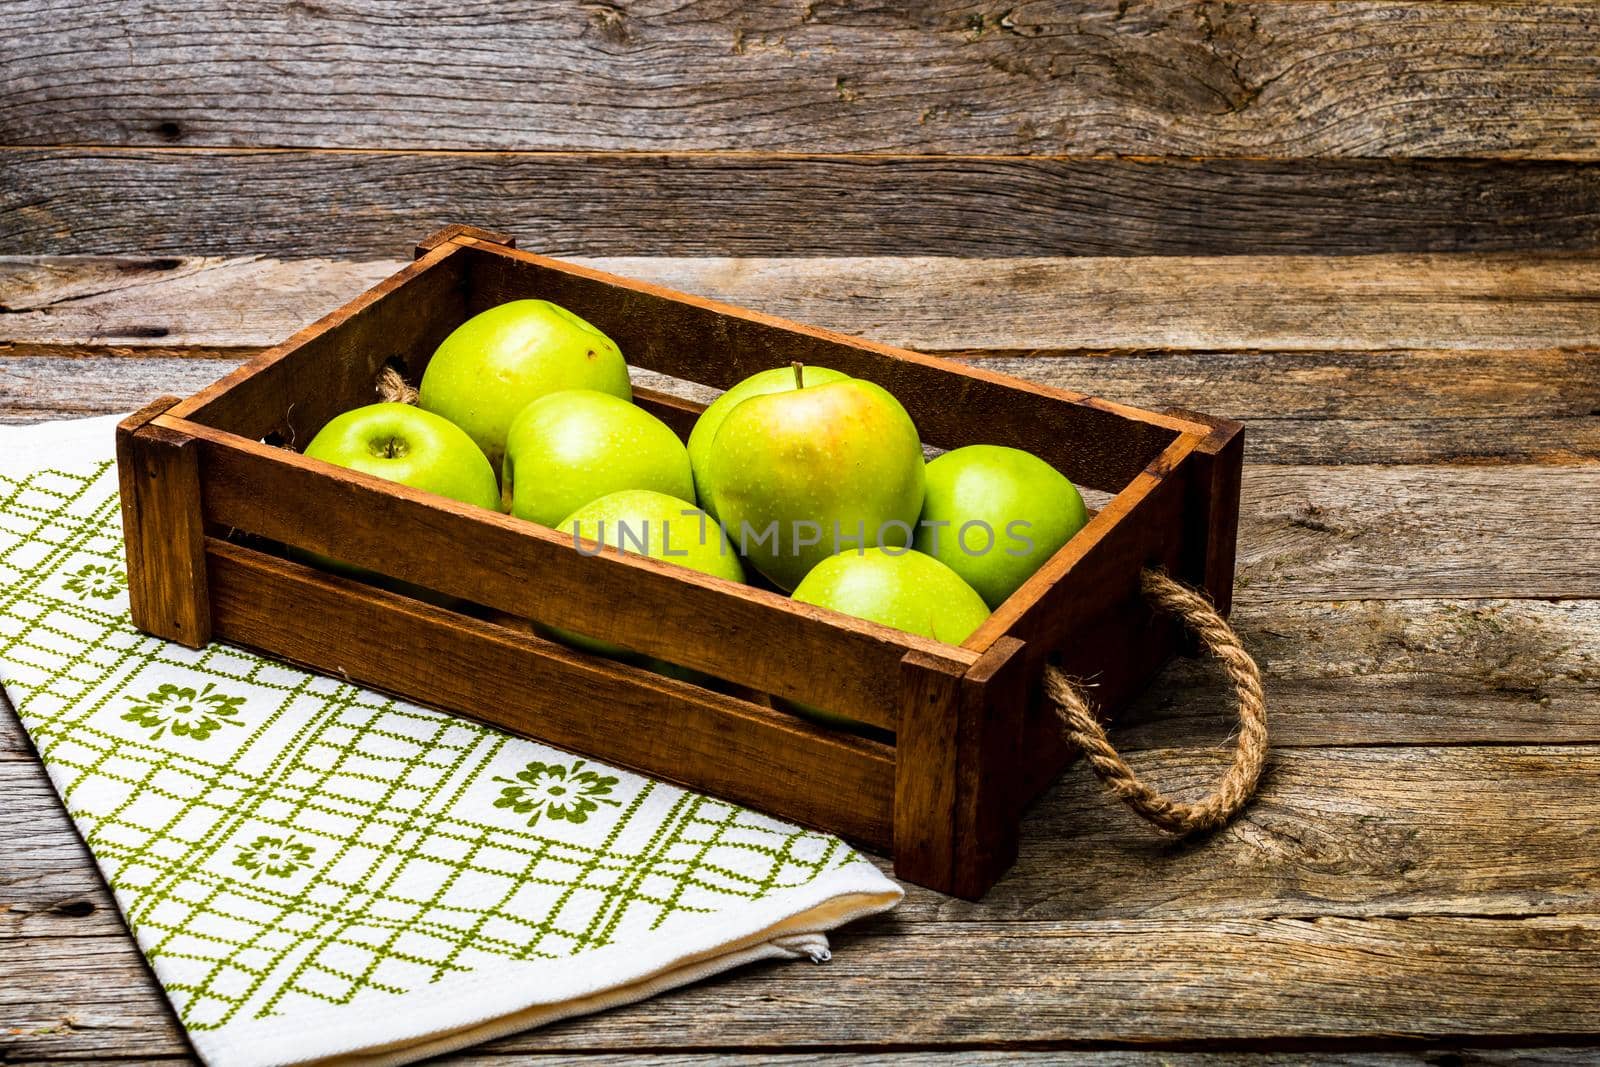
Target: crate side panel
746 635
1095 625
519 682
290 392
1094 443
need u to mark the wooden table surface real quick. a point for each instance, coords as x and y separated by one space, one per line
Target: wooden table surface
1369 229
1419 575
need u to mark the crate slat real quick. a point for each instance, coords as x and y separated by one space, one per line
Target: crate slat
1094 442
721 744
746 635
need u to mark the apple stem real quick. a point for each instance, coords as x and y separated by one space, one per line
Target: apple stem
798 367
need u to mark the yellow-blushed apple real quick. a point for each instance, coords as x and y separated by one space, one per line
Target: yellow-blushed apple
801 474
776 380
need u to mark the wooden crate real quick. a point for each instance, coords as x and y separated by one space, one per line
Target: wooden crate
217 511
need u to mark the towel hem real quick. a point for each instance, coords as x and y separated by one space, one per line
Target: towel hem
457 1013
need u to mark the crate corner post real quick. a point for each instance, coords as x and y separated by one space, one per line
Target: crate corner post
990 800
158 473
1211 522
455 231
956 810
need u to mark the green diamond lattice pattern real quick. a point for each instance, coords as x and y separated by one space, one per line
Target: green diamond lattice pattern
280 839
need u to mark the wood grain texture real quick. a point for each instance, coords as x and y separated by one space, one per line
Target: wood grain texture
1371 672
1394 672
1391 533
1149 78
1422 1055
181 202
1483 831
1319 355
1031 984
1456 307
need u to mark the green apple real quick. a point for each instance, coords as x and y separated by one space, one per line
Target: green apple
995 514
651 524
497 362
776 380
903 588
405 444
568 448
801 474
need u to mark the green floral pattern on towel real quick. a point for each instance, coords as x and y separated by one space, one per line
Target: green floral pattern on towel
273 855
189 713
555 790
280 840
96 580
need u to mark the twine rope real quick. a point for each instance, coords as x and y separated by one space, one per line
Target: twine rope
1235 788
393 388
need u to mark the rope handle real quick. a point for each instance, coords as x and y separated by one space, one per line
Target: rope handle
1236 786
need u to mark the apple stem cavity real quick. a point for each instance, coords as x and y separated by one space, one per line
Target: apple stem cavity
390 448
799 367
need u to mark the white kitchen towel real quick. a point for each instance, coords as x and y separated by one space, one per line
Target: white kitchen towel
318 873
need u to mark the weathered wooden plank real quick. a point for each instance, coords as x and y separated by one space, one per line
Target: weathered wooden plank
1493 831
1389 533
1422 441
205 304
980 984
1547 420
1145 330
35 390
1150 78
1370 672
1145 982
1393 672
298 203
1090 1057
1422 1056
1449 310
